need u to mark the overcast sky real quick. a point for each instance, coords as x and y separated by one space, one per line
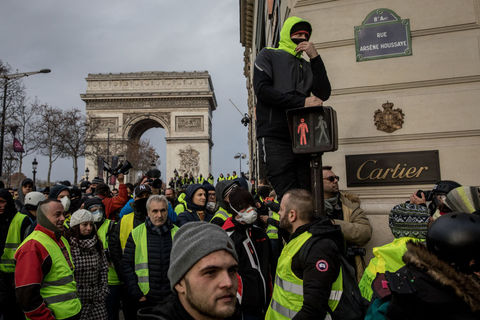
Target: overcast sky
74 38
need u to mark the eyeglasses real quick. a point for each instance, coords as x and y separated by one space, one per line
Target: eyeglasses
332 178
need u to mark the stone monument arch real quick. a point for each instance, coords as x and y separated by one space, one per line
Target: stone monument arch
125 105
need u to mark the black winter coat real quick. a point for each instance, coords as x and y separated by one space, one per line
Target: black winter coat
429 288
191 215
281 82
256 286
159 243
317 263
171 309
7 286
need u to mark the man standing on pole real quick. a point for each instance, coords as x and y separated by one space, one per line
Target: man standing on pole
283 80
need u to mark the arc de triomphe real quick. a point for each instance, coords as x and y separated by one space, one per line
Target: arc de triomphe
125 105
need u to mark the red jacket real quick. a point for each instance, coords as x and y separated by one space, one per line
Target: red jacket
113 204
32 263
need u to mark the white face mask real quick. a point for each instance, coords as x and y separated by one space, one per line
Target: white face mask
65 203
248 216
211 205
97 215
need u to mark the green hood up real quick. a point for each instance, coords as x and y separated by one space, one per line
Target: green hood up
286 44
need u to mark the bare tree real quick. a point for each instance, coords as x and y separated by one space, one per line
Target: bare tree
49 128
10 161
73 133
142 155
25 118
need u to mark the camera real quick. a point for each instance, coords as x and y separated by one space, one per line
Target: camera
122 168
428 194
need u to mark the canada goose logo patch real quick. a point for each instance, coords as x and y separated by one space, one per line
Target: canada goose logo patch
322 265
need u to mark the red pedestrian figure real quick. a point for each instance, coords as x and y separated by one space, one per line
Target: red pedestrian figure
302 130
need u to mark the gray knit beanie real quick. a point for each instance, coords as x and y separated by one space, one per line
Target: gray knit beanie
192 242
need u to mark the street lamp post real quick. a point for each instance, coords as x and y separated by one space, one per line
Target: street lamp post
86 173
34 169
240 156
6 78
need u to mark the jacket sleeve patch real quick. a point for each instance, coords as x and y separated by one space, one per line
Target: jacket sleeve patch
322 265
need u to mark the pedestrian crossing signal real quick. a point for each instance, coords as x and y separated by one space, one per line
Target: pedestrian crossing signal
313 129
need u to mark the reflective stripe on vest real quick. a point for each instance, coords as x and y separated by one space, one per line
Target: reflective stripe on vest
287 298
222 214
102 235
12 241
139 235
126 226
58 289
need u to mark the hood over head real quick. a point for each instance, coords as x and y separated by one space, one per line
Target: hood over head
286 43
10 209
55 191
189 196
21 196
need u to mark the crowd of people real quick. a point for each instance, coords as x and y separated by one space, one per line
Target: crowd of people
229 250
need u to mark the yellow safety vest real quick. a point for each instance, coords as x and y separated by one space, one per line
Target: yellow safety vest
222 214
272 231
182 206
13 240
220 179
126 226
139 235
287 298
386 258
58 289
102 235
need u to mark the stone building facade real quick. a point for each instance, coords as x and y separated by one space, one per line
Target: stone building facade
424 100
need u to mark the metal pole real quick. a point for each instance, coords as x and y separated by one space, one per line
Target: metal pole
317 184
108 151
2 132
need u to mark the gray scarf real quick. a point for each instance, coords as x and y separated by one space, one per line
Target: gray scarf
330 205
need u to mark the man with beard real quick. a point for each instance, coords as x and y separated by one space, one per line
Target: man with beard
13 226
308 281
203 276
45 286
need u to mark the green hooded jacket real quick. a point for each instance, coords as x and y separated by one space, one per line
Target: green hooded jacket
286 44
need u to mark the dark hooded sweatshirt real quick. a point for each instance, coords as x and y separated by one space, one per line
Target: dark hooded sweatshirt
282 80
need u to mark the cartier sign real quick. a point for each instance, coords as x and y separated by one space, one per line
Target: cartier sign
384 169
